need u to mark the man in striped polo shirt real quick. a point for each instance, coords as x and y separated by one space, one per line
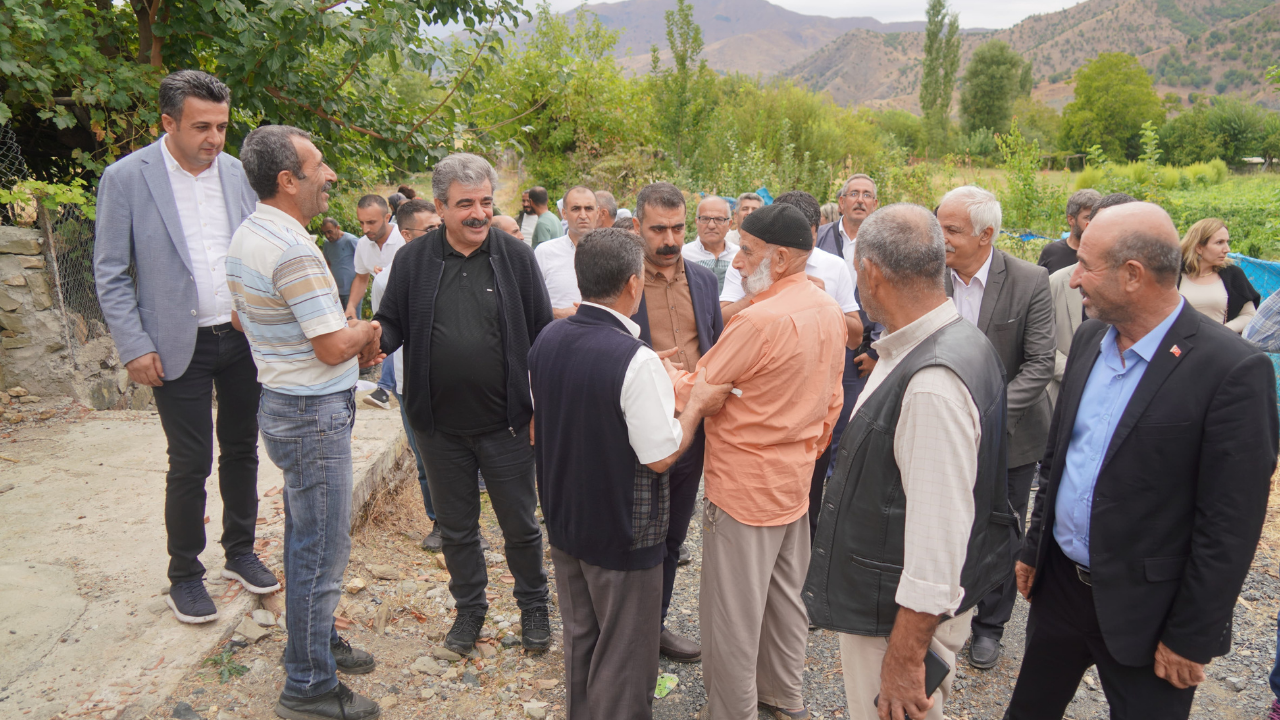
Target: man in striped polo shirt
308 357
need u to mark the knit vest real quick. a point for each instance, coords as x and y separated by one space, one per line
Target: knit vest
858 550
601 505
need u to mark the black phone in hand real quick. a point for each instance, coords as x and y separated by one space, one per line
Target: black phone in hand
935 671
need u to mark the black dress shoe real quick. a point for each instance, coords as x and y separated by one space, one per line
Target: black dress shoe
984 652
350 660
466 628
535 629
679 649
433 542
339 703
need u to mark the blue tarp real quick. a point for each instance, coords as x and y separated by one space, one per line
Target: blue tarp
1265 278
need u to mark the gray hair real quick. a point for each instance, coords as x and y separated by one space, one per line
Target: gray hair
465 169
983 208
859 176
605 199
176 87
1111 200
750 196
718 198
267 152
605 260
659 194
1081 200
905 241
330 221
1155 253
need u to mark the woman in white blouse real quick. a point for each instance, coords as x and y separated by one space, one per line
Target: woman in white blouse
1209 282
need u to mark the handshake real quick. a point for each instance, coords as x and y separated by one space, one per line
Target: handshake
370 352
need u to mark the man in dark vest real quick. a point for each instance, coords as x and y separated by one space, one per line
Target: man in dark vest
679 312
916 524
606 436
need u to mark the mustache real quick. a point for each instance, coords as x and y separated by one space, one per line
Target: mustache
950 248
668 250
326 187
476 222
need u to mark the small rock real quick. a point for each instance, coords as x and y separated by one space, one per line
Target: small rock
426 666
384 572
470 678
184 711
445 654
486 650
504 625
547 684
440 561
450 602
434 593
157 607
504 696
510 640
226 715
30 399
19 391
356 585
251 630
273 602
408 587
258 667
536 713
486 632
1236 683
381 618
4 398
388 702
450 674
14 418
265 618
47 414
427 693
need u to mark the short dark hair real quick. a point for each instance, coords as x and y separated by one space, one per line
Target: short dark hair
409 208
408 192
267 152
177 86
538 195
373 200
1111 201
1081 200
659 194
805 203
605 260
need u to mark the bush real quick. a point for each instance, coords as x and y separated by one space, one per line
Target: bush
1246 205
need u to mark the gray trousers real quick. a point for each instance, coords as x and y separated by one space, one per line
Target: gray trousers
612 622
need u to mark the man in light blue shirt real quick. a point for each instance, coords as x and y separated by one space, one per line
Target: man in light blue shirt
1106 395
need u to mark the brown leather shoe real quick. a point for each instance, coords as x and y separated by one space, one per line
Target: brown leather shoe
678 649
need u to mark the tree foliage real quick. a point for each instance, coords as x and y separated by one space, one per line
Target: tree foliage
684 86
79 78
993 79
1113 98
941 62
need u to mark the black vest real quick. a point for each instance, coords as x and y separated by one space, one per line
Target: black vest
601 505
858 550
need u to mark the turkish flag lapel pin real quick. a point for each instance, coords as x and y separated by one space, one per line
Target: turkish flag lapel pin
1177 352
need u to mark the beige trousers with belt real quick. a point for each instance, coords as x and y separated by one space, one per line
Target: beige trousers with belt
861 658
754 627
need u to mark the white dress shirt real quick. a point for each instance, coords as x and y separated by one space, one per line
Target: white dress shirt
968 298
697 252
648 401
555 260
202 211
848 246
528 226
370 257
828 268
936 447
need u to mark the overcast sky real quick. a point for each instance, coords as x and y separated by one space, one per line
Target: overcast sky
973 13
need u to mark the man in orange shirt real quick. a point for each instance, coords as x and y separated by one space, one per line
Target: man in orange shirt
785 356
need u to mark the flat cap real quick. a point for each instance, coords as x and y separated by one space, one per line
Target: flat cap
780 225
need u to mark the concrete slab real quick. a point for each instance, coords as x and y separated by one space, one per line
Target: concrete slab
84 630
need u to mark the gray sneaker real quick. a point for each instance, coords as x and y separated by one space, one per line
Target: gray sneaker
339 703
191 603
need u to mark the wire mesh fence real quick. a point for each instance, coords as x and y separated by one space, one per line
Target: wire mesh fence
13 169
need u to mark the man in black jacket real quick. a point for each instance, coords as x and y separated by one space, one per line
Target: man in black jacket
1157 473
466 301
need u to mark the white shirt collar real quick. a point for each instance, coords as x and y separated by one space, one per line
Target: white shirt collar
172 165
627 322
843 233
980 276
277 215
728 247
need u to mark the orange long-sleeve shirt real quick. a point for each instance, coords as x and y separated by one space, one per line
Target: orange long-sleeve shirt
786 354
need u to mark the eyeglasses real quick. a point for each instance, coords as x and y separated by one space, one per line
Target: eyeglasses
659 229
711 220
865 195
415 232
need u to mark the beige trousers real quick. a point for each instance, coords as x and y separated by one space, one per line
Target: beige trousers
861 657
754 626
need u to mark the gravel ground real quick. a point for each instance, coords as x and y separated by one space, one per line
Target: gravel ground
411 610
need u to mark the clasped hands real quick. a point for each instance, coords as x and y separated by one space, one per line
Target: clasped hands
371 353
707 398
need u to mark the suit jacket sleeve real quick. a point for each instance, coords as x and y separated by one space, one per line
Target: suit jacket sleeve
393 304
1038 347
1036 529
112 256
1237 458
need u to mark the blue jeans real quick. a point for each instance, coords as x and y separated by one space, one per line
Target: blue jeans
1275 670
387 380
417 455
309 439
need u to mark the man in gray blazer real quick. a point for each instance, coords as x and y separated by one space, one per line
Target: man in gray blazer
1008 299
168 211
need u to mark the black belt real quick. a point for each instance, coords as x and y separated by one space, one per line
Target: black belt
222 329
1082 572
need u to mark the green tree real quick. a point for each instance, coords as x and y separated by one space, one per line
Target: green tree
1113 98
992 80
682 89
1187 138
941 62
1238 126
86 72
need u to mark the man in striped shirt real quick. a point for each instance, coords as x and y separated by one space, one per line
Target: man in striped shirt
308 356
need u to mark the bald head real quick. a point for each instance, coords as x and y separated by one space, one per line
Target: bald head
1140 232
714 205
508 225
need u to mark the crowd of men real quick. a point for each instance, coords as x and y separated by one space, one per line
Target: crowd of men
868 402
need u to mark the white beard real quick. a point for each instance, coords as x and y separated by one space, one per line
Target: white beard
758 281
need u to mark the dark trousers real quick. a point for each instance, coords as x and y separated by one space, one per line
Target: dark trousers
185 405
995 609
684 479
507 464
611 624
1063 640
